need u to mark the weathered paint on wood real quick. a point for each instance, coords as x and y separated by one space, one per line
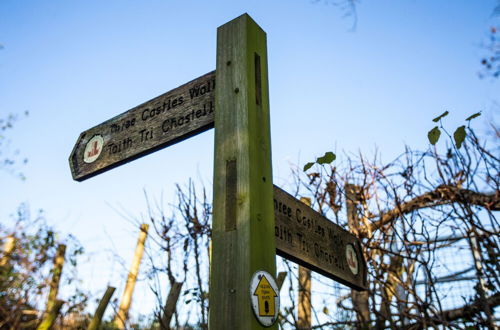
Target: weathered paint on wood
165 120
311 240
243 220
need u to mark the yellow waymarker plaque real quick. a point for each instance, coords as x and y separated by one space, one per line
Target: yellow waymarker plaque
265 298
265 295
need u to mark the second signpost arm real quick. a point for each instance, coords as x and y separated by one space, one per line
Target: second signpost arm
243 216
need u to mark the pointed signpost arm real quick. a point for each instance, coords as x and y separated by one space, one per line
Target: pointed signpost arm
243 219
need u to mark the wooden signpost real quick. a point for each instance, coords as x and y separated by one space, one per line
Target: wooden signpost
165 120
243 219
249 226
311 240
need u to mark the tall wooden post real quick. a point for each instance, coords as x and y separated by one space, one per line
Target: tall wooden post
243 219
56 277
8 247
50 317
99 312
481 286
304 306
359 299
126 298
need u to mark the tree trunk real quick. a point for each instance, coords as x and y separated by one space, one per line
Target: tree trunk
169 308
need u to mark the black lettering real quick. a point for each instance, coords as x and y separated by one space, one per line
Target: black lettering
164 126
194 92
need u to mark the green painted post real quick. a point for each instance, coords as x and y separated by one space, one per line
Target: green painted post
243 218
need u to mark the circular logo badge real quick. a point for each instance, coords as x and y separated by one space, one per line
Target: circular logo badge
264 295
93 149
352 259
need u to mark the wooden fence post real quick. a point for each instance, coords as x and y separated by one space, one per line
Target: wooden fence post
243 219
8 247
99 312
304 306
359 299
481 287
56 277
126 298
51 316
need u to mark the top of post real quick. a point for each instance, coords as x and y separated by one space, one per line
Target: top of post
242 18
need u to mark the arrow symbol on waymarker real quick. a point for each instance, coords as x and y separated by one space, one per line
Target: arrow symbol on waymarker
266 297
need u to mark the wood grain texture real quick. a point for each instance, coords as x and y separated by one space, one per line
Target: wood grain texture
311 240
165 120
242 138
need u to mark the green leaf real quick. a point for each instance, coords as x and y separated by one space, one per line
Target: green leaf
438 118
434 135
459 136
308 166
477 114
325 310
327 158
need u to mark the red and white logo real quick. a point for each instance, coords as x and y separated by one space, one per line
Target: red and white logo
93 149
352 259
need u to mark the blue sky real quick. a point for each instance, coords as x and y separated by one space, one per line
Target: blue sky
75 64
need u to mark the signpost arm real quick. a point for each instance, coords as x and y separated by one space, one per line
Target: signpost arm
243 218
